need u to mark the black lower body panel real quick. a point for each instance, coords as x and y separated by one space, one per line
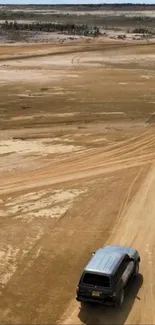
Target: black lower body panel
102 301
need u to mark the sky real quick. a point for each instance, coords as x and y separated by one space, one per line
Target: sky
72 1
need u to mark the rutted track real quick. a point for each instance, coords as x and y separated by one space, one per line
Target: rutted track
134 152
109 188
135 229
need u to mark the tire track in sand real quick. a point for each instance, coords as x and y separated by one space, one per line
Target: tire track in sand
136 229
91 164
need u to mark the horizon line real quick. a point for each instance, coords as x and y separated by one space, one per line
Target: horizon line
80 4
77 2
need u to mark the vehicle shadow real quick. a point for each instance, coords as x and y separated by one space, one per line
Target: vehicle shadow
91 314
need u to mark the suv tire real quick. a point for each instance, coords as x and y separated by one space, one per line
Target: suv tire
121 298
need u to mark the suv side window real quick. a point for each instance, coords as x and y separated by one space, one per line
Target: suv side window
118 273
126 261
121 268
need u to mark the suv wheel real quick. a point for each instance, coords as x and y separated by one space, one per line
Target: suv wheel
121 298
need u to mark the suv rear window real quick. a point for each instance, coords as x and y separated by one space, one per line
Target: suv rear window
97 280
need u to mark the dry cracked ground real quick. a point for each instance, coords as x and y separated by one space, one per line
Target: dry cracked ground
77 171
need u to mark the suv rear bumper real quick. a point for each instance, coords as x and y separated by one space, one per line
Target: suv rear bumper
102 301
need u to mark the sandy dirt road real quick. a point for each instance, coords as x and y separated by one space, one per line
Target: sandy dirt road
137 151
77 154
135 229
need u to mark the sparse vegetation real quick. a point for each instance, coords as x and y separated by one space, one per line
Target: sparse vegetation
71 29
30 22
141 30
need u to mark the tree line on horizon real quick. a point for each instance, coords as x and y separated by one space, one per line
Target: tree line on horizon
71 29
